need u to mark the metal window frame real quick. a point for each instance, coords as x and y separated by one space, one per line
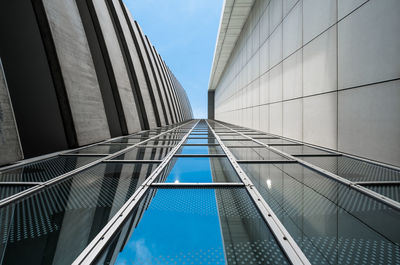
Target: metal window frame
372 194
282 236
91 252
37 188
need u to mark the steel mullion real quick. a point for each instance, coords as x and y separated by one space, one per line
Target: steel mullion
200 155
59 178
198 185
289 246
84 154
90 253
380 183
132 161
20 183
266 161
392 203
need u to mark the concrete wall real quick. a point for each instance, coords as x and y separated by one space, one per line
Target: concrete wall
10 146
82 71
323 72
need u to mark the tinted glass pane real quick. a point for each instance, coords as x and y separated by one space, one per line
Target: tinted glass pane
141 153
262 153
101 149
201 141
129 140
390 191
55 225
353 169
199 169
300 150
201 150
160 142
199 226
8 190
234 137
45 169
275 141
331 223
240 143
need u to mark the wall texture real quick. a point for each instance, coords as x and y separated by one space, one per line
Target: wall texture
323 72
81 72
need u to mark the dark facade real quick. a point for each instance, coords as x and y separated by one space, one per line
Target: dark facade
80 72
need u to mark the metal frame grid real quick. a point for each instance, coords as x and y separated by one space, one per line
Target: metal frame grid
285 240
354 185
104 157
91 252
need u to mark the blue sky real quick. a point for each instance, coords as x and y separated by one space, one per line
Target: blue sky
184 32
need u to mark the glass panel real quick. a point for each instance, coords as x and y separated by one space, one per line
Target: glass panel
240 143
235 137
300 150
199 226
201 141
199 170
8 190
390 191
201 150
275 141
160 142
101 149
331 223
143 153
129 140
262 153
55 225
45 169
354 169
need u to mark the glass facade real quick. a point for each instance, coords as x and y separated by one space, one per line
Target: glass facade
200 192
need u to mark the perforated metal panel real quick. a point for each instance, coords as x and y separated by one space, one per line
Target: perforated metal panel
45 169
353 169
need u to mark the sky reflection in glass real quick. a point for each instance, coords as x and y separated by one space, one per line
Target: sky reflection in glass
180 226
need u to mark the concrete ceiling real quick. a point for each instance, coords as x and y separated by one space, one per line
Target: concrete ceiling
233 17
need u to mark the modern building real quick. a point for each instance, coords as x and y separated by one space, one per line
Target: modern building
128 177
75 73
320 72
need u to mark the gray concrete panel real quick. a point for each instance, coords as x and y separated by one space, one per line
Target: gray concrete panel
369 44
119 68
150 71
369 121
320 64
10 146
320 120
318 15
293 30
78 71
134 55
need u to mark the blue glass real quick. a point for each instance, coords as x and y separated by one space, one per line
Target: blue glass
201 141
200 150
199 169
195 226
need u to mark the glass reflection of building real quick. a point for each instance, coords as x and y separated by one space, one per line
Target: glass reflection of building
198 208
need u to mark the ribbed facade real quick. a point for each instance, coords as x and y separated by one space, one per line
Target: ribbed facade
80 72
